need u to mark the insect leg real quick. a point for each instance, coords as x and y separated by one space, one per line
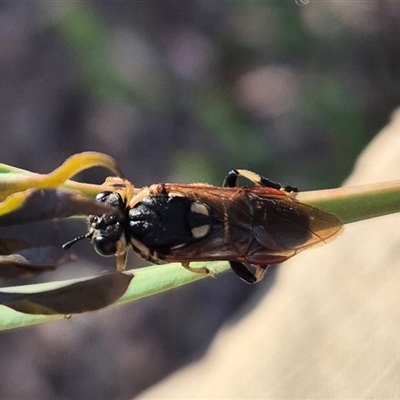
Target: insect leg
139 196
122 260
202 270
121 254
231 180
243 272
260 271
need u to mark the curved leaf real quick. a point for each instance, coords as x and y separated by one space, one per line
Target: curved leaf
12 245
32 261
40 205
18 182
21 259
80 296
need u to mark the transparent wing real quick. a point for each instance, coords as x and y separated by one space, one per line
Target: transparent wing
255 224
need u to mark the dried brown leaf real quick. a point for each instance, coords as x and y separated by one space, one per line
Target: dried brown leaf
32 261
82 296
40 205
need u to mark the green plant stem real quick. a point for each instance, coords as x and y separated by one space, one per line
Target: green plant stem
356 203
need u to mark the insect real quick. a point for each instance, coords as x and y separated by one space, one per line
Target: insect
251 227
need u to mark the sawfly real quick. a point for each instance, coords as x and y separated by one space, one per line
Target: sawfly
252 227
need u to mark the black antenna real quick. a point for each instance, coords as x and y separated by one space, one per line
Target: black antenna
67 245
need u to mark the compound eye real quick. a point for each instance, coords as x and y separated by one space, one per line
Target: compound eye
104 246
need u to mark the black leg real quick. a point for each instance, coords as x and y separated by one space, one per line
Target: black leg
231 180
243 272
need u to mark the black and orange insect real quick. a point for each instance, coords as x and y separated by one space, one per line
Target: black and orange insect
251 227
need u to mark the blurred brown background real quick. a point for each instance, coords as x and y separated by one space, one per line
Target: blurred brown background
179 91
